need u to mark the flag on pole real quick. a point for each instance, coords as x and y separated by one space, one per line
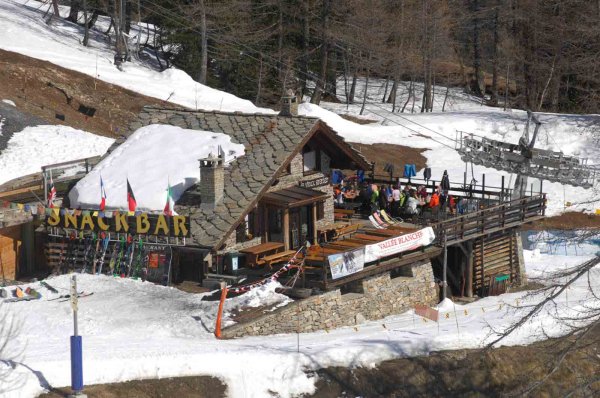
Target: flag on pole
130 198
170 204
51 193
102 195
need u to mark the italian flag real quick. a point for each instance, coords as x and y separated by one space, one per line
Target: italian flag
170 203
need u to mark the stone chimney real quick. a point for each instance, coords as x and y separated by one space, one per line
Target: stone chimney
289 104
211 180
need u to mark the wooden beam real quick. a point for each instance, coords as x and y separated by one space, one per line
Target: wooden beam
469 273
286 229
313 208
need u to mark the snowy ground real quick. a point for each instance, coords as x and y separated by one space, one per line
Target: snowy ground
135 329
28 150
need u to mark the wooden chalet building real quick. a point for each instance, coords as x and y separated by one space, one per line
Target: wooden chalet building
279 192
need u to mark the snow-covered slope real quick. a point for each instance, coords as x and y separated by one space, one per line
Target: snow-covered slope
152 158
133 329
24 31
34 147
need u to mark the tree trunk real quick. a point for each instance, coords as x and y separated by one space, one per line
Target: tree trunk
331 85
316 98
86 29
305 45
353 88
74 11
203 45
362 109
385 90
258 88
280 40
410 94
477 83
494 91
56 13
445 98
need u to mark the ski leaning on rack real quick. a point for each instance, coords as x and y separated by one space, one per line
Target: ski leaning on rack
102 255
139 259
96 251
113 257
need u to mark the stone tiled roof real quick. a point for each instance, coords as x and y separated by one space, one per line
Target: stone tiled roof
269 141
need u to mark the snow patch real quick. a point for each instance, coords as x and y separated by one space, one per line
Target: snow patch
30 149
9 102
151 158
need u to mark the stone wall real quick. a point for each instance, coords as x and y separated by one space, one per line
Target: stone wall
370 299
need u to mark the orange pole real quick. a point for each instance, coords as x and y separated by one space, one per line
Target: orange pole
220 313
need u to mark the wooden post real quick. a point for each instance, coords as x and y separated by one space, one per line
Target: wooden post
265 231
502 191
469 276
481 251
286 229
314 223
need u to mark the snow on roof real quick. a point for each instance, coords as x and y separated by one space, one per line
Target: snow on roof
30 149
152 158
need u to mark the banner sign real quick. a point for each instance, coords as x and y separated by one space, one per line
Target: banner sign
399 244
346 263
317 182
139 224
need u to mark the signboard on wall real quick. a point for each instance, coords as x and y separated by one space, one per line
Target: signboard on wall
346 263
399 244
317 182
141 223
158 263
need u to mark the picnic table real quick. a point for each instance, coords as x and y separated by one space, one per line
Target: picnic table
333 230
255 253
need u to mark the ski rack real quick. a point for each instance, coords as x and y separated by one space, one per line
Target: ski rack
118 236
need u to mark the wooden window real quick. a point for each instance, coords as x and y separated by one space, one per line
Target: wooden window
320 210
311 160
247 228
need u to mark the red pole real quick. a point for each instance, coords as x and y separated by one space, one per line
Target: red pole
220 313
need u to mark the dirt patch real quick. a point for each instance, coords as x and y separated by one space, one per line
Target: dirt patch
49 91
566 221
196 387
398 155
506 371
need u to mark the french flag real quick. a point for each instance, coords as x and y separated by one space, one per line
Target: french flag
102 195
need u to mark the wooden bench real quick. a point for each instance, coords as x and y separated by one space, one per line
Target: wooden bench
343 214
346 230
256 253
275 258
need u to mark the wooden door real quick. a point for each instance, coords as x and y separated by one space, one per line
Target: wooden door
10 248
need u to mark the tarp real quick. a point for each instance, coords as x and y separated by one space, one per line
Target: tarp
399 244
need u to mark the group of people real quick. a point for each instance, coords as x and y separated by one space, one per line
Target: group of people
408 200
